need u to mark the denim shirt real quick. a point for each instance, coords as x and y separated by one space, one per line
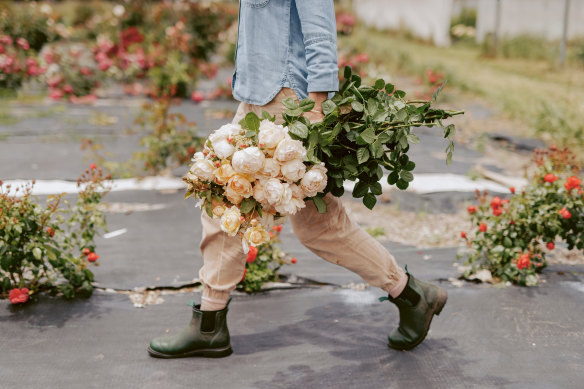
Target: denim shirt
285 43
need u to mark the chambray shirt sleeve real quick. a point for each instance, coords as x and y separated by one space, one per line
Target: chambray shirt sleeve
317 20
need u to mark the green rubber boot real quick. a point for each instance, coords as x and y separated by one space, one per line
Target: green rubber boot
206 336
417 304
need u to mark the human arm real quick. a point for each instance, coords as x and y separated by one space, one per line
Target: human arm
317 20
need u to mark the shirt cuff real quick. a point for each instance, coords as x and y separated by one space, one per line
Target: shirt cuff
324 82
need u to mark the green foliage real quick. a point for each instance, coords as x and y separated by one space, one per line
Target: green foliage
41 247
171 140
366 129
515 231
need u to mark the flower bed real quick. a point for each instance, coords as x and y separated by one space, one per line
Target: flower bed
511 237
50 248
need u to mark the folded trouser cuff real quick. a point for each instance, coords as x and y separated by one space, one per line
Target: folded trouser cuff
215 296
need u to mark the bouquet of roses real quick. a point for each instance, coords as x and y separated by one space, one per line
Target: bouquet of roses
253 172
252 175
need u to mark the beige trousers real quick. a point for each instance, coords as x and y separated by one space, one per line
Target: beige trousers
333 236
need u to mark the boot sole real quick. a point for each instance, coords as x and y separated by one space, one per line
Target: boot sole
436 309
206 353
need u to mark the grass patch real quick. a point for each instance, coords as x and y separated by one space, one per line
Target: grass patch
547 99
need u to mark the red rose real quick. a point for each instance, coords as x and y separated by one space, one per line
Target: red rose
50 231
497 211
197 97
512 222
92 257
550 245
463 235
572 183
92 166
483 227
471 209
550 178
0 182
565 213
86 251
523 261
277 228
293 260
512 189
252 254
244 273
18 296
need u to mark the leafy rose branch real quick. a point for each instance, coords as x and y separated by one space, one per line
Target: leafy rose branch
365 129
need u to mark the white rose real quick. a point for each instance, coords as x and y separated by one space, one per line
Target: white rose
259 192
292 200
225 131
256 236
223 149
231 220
289 149
271 134
314 180
198 155
273 191
293 170
271 168
203 169
248 161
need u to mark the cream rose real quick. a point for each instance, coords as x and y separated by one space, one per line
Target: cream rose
203 169
238 186
248 161
292 200
271 168
289 149
223 149
293 170
218 211
273 191
256 236
230 221
314 180
271 134
223 173
259 192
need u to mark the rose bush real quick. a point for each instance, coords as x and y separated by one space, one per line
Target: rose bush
17 63
264 261
50 248
512 236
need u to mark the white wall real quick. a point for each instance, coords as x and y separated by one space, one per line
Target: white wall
426 19
542 18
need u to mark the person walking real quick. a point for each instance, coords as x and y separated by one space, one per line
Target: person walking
288 48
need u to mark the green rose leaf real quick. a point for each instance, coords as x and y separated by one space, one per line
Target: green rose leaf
357 106
37 253
379 84
299 129
320 204
252 121
369 200
290 103
406 176
403 185
306 105
368 135
247 205
328 107
362 155
361 189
